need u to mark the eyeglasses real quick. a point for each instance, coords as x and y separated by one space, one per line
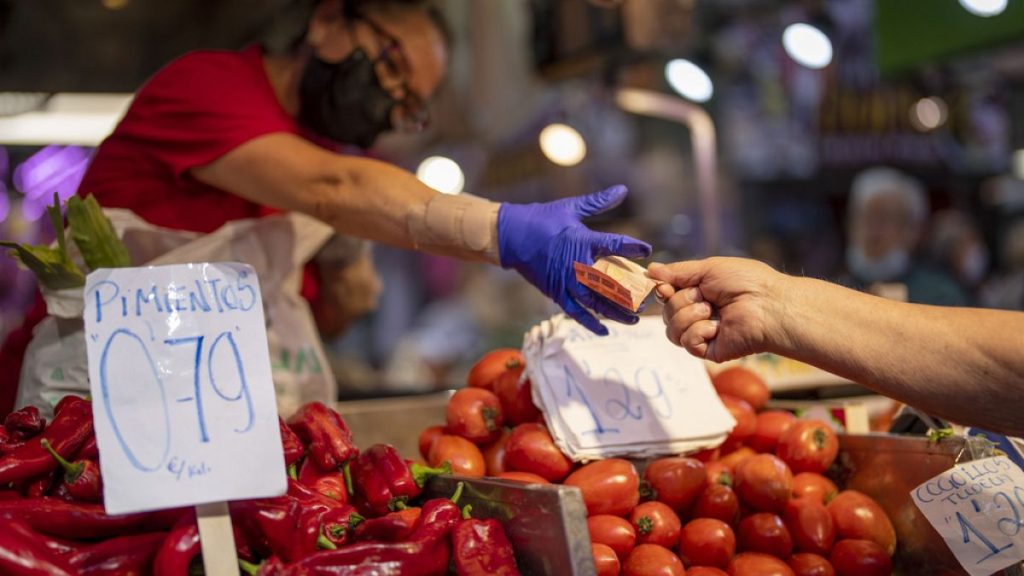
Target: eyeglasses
392 68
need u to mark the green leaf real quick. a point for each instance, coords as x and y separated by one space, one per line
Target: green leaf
52 266
57 221
94 235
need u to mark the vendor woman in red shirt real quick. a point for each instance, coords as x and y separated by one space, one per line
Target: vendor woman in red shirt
218 135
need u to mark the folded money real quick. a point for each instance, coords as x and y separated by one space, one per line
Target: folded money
620 280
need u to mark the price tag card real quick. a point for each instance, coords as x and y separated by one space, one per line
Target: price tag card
180 378
978 508
631 393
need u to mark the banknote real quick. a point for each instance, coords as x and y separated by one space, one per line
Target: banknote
620 280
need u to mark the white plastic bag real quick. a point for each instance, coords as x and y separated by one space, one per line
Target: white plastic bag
277 247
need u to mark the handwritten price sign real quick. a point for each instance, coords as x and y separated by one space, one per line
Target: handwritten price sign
180 377
978 508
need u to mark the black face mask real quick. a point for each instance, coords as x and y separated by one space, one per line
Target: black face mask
345 101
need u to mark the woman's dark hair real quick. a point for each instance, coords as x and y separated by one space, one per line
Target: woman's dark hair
287 30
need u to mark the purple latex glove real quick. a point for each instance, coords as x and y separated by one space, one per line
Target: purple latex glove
541 241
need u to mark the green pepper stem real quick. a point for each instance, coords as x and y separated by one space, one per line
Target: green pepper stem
248 567
458 492
324 544
71 471
293 471
421 473
467 511
348 478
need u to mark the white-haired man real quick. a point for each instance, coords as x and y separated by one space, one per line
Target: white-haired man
887 216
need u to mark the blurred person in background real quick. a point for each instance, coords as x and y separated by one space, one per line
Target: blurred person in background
962 364
1005 289
887 217
216 136
956 245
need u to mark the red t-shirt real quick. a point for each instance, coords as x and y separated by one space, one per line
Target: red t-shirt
192 112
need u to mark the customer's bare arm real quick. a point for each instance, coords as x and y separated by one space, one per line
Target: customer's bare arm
960 363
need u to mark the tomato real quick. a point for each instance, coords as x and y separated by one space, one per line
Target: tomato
705 571
492 365
516 396
859 517
613 531
531 449
860 558
464 456
766 533
742 383
656 523
494 454
706 455
605 561
757 564
810 524
764 483
808 446
806 564
746 422
734 458
609 486
676 481
475 414
427 438
813 485
528 477
717 473
718 501
707 542
770 426
652 560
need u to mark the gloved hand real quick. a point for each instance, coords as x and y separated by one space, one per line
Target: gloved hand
541 241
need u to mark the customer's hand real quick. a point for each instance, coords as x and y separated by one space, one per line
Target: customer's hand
541 242
720 308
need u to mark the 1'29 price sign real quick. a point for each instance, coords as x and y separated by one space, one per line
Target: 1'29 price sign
179 372
978 508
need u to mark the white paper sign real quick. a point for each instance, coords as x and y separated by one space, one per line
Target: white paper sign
180 379
978 508
629 393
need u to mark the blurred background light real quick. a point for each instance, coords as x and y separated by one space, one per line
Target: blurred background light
929 113
53 169
78 119
689 80
984 8
441 174
1018 163
562 144
114 4
807 45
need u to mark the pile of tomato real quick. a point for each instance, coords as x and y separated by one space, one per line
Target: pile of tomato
759 504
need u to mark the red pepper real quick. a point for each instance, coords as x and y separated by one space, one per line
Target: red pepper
383 481
293 448
338 525
25 423
82 477
56 517
281 526
90 450
63 402
123 556
68 432
325 433
481 548
306 495
392 527
178 549
7 444
425 553
40 485
330 484
23 553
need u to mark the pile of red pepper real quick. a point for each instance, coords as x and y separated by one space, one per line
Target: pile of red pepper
345 511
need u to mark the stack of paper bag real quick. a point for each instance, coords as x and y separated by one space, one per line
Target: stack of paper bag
629 394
